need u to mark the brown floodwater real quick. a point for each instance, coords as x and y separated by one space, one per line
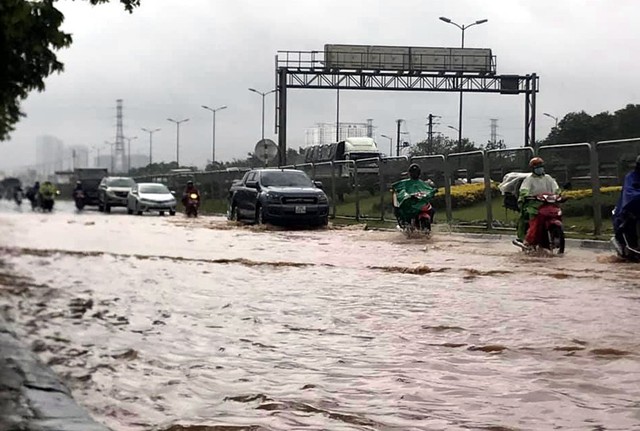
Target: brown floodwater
175 324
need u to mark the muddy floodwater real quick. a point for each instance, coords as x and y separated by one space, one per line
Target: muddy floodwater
164 323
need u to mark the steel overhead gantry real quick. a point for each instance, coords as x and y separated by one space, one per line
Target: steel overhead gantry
306 69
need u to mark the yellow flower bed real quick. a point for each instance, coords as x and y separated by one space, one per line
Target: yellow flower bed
467 194
587 193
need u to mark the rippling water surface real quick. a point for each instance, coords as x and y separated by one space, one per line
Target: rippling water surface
172 324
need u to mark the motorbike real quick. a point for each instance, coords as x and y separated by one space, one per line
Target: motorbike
17 196
550 235
626 223
412 206
79 198
192 202
46 202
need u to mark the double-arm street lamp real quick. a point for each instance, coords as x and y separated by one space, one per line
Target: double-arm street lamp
213 144
390 144
263 95
463 28
150 132
177 137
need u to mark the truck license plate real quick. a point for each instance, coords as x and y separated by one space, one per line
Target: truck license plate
301 209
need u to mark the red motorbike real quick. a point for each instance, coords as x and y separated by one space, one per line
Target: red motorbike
548 223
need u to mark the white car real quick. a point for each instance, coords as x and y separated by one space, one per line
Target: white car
150 197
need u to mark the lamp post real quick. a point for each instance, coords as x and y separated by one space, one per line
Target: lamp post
551 116
129 152
390 144
111 158
213 143
150 132
177 137
463 28
263 95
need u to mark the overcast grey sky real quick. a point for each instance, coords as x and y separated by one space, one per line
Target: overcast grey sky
171 56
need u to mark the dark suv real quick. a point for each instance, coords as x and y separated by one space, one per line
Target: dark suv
113 192
285 196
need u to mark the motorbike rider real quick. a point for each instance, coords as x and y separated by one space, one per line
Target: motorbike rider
190 188
627 210
47 190
536 183
414 172
32 192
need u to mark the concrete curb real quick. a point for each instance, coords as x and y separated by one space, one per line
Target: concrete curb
32 397
592 244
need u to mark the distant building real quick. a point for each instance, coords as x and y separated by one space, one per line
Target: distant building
76 156
325 133
49 155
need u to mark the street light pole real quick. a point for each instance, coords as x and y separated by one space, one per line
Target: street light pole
111 144
390 144
129 152
263 95
150 132
213 144
177 137
551 116
463 28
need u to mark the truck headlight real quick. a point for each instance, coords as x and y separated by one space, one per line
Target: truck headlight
273 197
322 199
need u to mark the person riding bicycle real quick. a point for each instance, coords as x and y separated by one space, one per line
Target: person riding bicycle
536 183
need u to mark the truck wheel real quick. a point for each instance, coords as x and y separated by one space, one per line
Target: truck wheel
260 215
107 208
233 213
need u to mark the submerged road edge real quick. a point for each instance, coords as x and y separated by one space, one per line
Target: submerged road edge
32 396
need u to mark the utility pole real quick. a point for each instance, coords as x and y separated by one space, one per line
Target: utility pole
399 121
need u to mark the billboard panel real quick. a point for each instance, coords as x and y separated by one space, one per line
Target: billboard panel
388 58
346 56
403 58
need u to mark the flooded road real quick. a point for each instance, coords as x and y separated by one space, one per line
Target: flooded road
164 323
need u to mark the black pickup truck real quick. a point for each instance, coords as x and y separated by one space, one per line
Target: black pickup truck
278 196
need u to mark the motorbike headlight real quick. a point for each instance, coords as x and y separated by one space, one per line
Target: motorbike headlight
193 196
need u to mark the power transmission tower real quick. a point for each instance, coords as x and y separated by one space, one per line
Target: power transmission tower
430 131
119 152
494 132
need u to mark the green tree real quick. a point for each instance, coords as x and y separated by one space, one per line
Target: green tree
30 35
498 145
582 127
442 145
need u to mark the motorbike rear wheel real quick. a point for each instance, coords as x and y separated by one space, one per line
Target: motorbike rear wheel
556 239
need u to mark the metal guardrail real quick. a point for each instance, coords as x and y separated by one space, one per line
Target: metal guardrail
352 178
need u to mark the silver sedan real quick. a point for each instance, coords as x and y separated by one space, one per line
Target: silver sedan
150 197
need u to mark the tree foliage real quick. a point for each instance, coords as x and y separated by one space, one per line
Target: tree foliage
30 35
582 127
442 145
